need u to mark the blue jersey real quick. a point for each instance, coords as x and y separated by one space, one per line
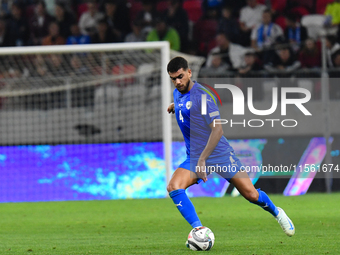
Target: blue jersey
195 126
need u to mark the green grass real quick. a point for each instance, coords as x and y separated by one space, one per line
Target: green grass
155 226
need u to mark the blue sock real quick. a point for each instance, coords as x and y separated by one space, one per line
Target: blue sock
265 202
185 207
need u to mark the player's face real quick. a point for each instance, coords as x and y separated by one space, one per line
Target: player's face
181 80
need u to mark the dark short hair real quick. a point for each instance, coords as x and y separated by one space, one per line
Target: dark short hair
177 63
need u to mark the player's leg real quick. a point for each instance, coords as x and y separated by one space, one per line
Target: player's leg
180 181
241 181
246 188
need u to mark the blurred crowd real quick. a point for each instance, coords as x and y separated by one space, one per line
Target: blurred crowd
242 36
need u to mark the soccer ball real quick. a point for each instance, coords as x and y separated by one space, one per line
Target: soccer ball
200 239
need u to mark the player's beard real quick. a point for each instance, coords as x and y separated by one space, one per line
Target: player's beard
185 88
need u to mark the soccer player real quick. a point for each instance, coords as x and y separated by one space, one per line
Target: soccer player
206 147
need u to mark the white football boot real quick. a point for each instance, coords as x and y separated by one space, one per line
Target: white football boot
285 223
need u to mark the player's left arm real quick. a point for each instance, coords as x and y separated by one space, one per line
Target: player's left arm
214 138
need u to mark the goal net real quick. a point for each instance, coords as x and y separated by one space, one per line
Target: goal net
72 112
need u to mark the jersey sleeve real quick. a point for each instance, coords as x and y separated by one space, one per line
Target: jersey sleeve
212 109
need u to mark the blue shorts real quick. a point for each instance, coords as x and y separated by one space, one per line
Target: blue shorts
226 166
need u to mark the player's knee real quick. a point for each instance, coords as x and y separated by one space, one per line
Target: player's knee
171 187
252 196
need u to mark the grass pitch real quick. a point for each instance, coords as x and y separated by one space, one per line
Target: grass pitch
155 226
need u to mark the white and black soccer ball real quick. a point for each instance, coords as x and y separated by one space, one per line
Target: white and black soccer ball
200 239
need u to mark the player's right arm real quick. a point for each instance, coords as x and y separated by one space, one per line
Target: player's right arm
214 138
171 108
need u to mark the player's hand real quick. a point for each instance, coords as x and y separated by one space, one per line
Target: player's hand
171 108
201 170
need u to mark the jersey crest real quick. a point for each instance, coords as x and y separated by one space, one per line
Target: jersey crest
188 105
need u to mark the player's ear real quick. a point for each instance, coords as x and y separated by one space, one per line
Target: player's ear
189 73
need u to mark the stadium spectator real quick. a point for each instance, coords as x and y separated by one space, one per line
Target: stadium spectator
310 56
284 60
211 14
265 34
41 68
64 20
88 20
137 34
147 14
117 19
249 70
251 63
218 66
56 65
162 32
103 34
231 54
177 18
283 64
332 47
294 32
4 35
54 38
39 23
68 5
228 25
76 37
17 27
250 17
333 13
